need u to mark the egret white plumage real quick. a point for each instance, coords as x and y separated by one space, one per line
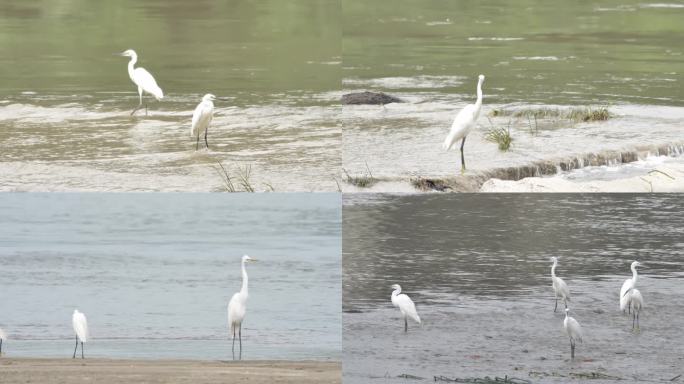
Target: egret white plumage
405 305
464 122
237 307
573 330
201 118
3 337
626 286
143 79
78 320
636 302
560 289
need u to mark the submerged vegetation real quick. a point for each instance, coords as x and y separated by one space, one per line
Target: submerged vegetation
583 114
241 181
501 136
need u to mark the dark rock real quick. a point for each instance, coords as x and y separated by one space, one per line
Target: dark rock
373 98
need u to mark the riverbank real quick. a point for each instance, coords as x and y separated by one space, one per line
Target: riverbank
108 371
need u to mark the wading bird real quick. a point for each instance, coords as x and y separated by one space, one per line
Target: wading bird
573 330
142 79
626 286
464 122
201 118
405 305
636 302
80 324
559 287
3 337
237 307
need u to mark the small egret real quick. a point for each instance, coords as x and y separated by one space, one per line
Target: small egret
464 122
201 118
142 79
626 286
237 307
3 337
559 287
80 324
636 302
405 305
573 330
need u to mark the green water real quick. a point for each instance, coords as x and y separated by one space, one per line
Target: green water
255 48
556 52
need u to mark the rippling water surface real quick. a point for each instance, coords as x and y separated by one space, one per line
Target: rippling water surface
154 274
65 97
622 55
478 268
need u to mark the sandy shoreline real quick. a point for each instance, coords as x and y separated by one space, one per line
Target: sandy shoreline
110 371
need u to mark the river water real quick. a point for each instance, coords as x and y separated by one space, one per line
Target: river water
622 55
154 274
65 97
478 269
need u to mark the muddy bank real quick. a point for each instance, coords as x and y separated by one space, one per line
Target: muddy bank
105 371
371 98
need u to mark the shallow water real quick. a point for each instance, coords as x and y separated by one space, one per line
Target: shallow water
65 100
478 268
154 274
625 56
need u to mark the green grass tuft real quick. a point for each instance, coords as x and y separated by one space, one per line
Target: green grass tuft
501 136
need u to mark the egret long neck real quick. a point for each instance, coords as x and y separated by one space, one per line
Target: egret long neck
396 292
131 63
553 269
243 290
478 103
634 275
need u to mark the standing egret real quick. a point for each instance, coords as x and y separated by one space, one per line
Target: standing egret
237 307
573 330
142 79
626 286
405 305
636 302
559 287
3 337
201 118
80 324
464 122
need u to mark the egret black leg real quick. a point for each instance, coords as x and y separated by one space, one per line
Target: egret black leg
240 336
638 326
197 145
0 347
82 356
206 132
75 348
233 343
566 303
463 166
405 325
633 319
145 108
556 307
572 349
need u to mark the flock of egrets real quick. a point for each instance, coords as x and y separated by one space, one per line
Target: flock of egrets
237 308
630 299
204 111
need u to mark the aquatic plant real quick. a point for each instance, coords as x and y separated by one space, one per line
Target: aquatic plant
243 178
576 113
500 136
362 181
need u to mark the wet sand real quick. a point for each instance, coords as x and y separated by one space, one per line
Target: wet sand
107 371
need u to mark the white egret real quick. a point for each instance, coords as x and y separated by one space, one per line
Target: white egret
80 324
464 122
237 307
636 302
405 305
573 330
559 287
626 286
201 118
3 337
142 79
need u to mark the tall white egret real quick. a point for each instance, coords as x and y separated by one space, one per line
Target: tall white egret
573 330
626 286
559 287
78 320
464 122
405 305
237 307
201 118
142 79
3 337
636 302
